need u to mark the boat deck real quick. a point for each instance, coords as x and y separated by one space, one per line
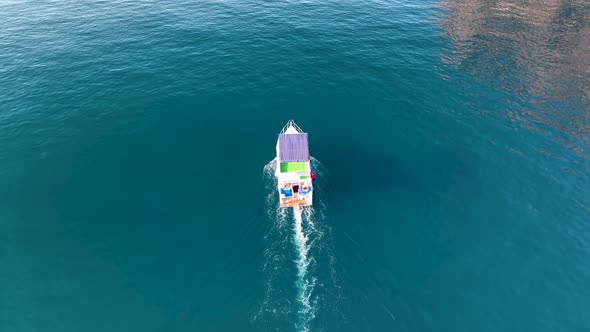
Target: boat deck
294 202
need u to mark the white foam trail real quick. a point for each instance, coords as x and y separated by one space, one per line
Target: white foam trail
305 285
322 256
276 304
310 236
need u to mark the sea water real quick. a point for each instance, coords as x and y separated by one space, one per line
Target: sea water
451 140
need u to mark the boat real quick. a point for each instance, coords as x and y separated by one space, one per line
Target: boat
293 167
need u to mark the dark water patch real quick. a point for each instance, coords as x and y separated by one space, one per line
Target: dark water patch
357 170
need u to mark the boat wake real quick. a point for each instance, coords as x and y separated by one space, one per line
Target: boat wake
301 236
305 284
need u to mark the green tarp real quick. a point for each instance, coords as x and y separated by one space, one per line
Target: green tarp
293 167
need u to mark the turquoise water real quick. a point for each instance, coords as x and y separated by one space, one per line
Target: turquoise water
451 143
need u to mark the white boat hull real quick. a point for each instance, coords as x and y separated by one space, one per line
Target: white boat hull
293 168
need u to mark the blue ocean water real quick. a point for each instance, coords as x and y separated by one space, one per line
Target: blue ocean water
450 138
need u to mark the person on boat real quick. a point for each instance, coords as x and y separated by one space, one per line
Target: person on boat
286 191
305 188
